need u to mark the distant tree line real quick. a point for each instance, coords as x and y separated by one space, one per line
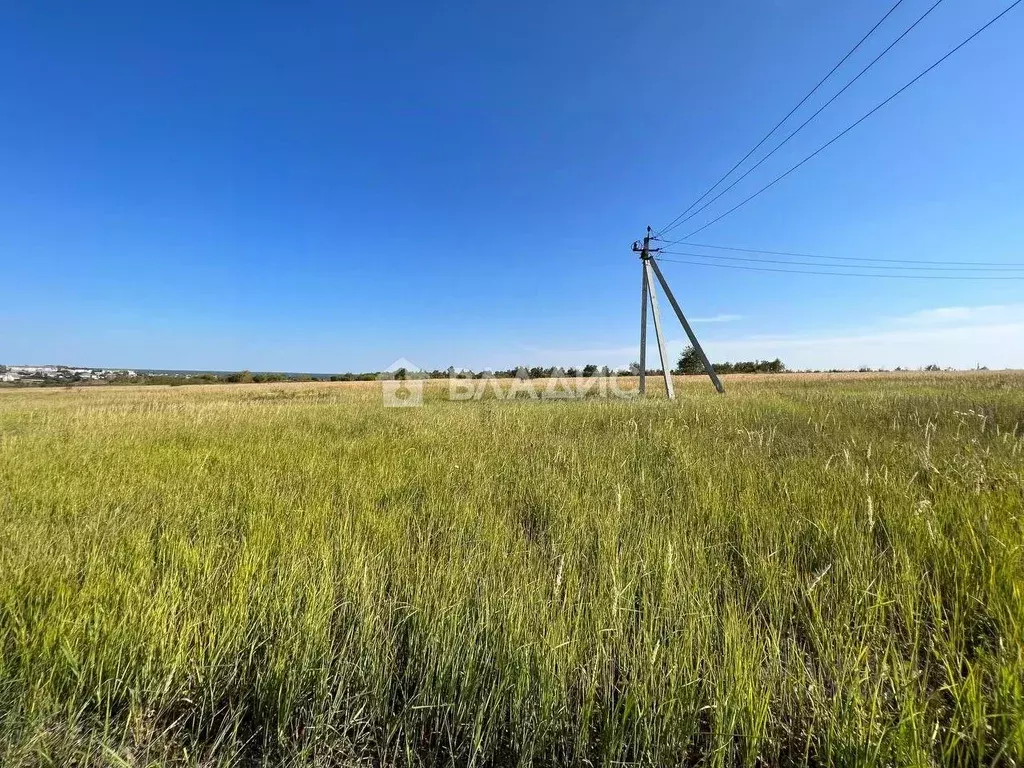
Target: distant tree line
691 364
248 377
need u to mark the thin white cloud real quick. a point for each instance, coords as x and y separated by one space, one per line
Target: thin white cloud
953 345
722 318
956 337
992 313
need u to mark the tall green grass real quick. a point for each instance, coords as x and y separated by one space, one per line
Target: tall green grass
799 572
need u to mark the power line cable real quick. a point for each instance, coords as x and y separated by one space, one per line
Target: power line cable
840 135
839 274
789 115
846 266
806 122
845 258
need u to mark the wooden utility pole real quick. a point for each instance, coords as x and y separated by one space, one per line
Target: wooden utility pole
686 327
643 332
651 271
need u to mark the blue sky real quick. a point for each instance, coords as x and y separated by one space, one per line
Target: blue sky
333 186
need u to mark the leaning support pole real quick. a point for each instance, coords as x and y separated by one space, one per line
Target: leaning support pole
686 326
665 368
643 330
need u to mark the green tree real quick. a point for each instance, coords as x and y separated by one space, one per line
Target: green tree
689 362
242 377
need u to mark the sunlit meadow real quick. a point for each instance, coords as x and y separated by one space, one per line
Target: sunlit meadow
806 570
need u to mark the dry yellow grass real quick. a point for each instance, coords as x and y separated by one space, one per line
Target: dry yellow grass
808 570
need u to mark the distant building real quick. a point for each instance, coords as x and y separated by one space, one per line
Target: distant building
41 374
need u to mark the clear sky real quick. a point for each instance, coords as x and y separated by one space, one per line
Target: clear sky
330 186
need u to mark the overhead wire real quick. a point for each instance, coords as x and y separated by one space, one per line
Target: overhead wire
789 115
804 124
844 258
860 120
839 274
887 267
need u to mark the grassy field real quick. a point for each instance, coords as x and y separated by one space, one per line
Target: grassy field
807 570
